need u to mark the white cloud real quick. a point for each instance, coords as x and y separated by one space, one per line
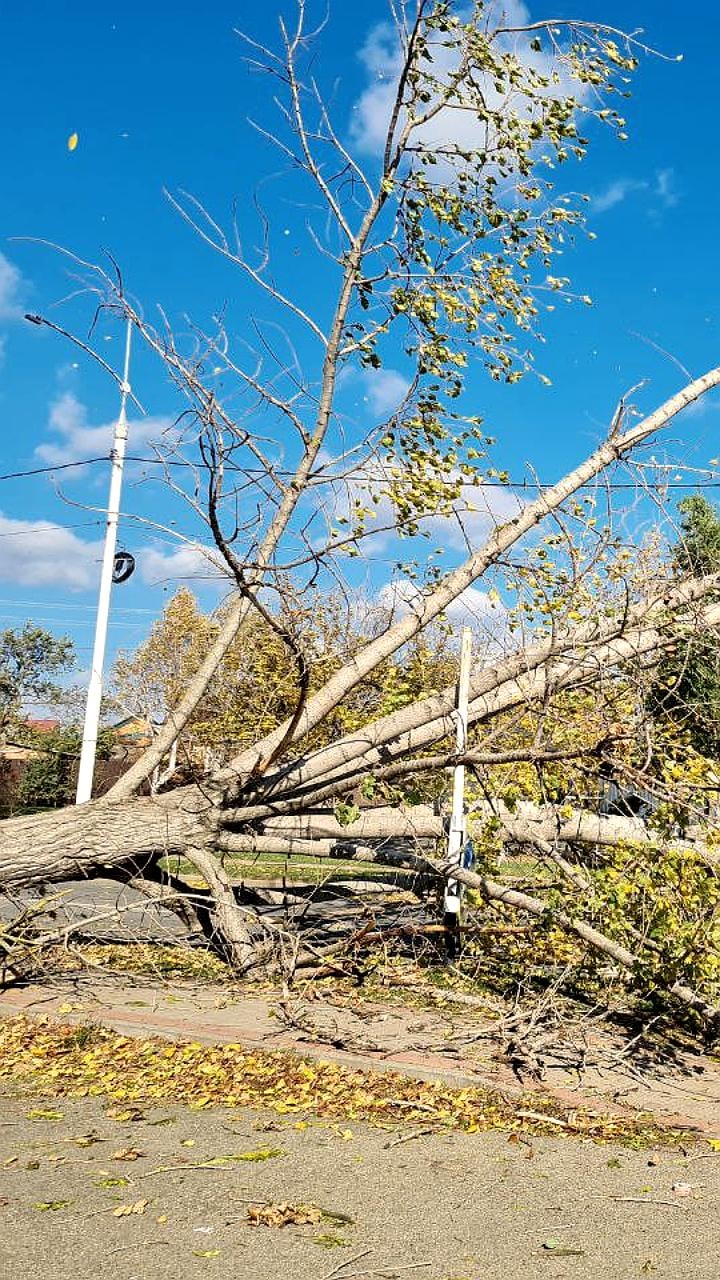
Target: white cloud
663 189
477 512
385 390
381 390
381 56
38 553
77 439
616 192
188 561
11 285
475 608
666 188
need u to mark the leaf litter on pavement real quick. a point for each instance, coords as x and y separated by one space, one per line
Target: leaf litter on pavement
43 1057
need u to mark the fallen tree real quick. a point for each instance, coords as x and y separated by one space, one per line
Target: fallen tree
432 266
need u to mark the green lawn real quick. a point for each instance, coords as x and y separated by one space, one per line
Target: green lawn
263 867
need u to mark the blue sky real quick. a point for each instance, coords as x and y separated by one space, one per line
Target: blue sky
159 97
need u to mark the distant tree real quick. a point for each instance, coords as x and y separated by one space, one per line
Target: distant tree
29 659
687 691
50 775
255 687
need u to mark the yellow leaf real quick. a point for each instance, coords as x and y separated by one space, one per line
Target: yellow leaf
124 1210
72 142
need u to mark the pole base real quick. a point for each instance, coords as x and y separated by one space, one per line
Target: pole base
453 934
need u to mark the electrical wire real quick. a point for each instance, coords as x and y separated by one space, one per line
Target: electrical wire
523 485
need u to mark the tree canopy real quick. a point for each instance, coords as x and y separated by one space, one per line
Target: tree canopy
30 658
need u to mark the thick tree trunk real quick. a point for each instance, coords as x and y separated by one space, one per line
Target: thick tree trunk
86 840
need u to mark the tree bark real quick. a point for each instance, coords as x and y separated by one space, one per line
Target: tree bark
87 840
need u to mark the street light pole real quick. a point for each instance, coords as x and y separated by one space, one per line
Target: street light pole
94 694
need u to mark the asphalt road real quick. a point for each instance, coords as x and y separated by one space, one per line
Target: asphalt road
439 1207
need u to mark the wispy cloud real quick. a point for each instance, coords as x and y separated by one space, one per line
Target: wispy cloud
77 439
11 290
385 390
616 193
661 191
40 553
666 188
187 562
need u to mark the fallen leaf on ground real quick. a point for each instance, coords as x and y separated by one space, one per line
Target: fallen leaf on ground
283 1215
45 1205
206 1253
87 1140
41 1055
331 1242
125 1210
127 1153
41 1113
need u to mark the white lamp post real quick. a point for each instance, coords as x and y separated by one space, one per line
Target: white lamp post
94 694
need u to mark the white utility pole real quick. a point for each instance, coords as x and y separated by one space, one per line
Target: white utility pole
457 834
94 694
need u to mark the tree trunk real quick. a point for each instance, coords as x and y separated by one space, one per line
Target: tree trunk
86 840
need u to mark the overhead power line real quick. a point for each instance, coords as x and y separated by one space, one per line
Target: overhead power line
49 528
530 486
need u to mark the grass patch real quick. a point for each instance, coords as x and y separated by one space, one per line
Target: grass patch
276 866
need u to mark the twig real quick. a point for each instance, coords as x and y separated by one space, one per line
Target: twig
389 1269
538 1115
341 1265
672 1204
141 1244
186 1168
408 1137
